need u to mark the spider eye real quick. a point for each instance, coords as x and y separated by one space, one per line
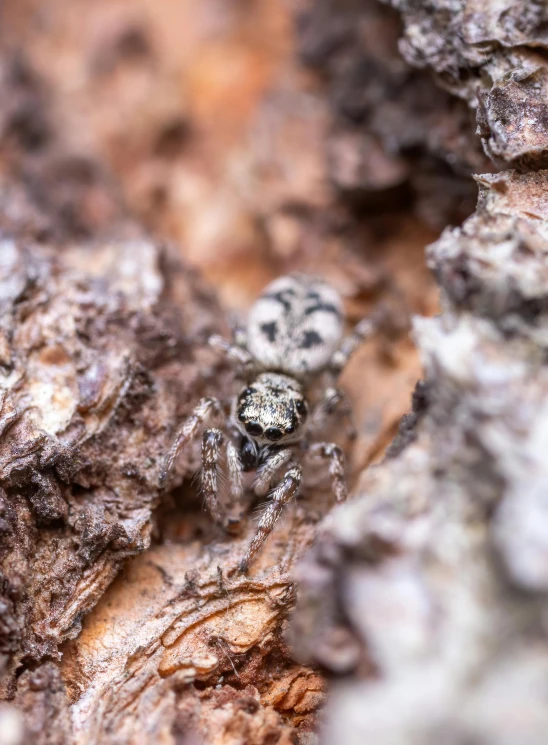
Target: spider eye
300 406
273 433
254 428
290 428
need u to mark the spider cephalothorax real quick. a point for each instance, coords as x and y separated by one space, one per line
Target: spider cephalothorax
293 335
272 409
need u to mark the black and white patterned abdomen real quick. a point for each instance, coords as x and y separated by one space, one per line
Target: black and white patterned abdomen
295 325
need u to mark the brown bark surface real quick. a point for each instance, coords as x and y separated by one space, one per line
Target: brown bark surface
156 156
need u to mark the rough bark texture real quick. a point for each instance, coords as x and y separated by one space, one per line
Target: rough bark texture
133 131
491 54
102 341
427 593
395 134
89 395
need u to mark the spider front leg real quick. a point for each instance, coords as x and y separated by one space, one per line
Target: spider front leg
209 475
212 443
234 353
287 489
335 456
235 471
187 432
267 473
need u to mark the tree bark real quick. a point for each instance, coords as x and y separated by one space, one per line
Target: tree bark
421 601
425 597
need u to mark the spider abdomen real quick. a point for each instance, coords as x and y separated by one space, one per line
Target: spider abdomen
295 325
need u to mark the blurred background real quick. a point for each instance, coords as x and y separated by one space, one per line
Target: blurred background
258 137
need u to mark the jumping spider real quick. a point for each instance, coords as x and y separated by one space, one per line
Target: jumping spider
294 336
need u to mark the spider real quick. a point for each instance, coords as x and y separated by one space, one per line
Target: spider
294 337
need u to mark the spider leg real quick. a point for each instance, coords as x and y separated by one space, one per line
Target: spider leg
234 353
280 496
235 471
237 329
333 402
188 431
362 331
239 336
235 476
268 471
209 475
332 453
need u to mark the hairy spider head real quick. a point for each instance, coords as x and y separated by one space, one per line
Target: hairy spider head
271 410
